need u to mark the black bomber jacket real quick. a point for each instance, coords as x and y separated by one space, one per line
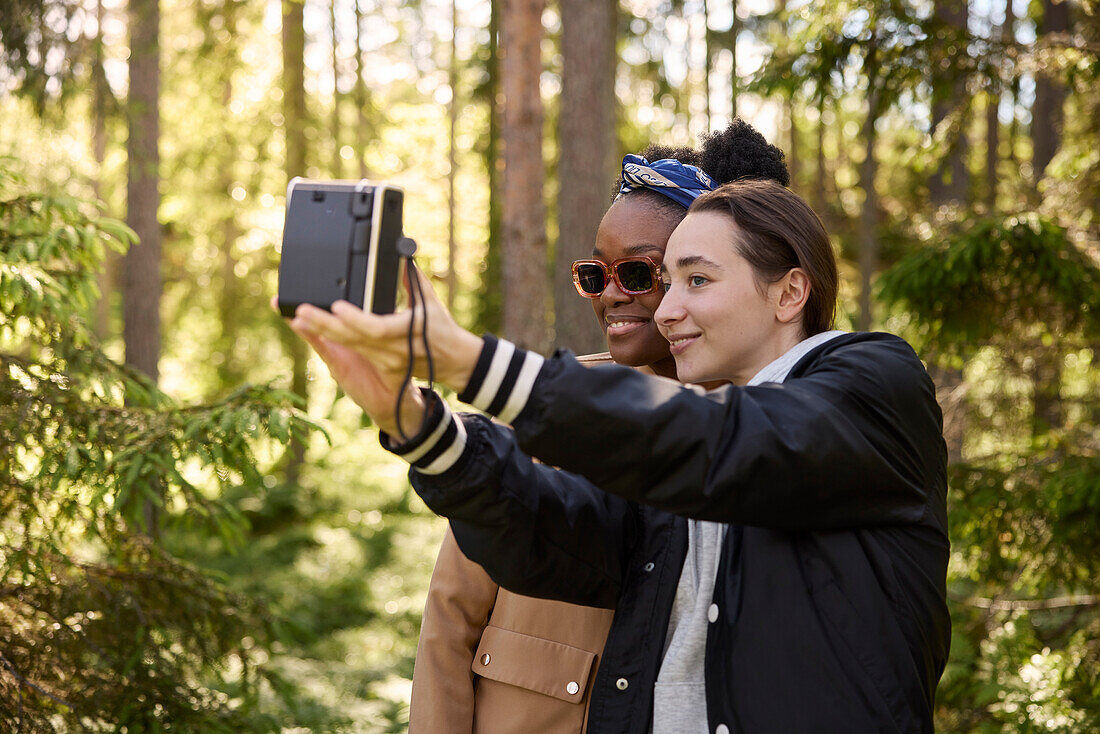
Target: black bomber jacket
830 597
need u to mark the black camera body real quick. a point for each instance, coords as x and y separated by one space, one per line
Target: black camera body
340 242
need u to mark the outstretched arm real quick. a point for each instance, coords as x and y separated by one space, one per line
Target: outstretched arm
538 531
855 440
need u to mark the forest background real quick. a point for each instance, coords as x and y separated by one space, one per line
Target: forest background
198 531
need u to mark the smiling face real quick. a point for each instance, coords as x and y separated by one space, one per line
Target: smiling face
632 227
721 323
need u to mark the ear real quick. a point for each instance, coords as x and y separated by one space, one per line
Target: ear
794 292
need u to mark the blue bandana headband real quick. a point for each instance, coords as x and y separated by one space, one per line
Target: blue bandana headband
669 177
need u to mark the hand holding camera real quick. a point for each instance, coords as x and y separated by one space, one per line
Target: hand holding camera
338 279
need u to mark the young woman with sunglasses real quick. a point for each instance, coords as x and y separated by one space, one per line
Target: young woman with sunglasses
474 668
776 549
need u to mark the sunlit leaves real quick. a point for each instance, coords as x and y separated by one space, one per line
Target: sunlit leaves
38 48
97 622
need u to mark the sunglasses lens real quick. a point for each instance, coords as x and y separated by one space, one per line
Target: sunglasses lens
635 276
591 279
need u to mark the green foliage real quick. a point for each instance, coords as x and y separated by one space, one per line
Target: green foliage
99 627
1012 303
888 44
1024 654
996 278
36 48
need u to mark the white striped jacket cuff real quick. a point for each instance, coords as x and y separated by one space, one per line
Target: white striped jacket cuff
439 443
502 379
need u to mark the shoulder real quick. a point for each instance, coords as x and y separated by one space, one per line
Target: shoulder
880 367
865 353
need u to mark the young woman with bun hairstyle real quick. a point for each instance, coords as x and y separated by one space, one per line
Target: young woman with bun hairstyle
775 548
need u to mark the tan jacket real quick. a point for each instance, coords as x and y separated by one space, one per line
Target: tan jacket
493 662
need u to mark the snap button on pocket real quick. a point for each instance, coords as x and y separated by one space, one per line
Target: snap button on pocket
485 659
571 688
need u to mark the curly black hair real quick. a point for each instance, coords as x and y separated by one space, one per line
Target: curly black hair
737 152
741 152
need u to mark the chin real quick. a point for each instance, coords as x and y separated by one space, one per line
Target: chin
685 373
628 357
634 357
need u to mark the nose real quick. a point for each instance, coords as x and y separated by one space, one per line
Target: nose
670 311
612 296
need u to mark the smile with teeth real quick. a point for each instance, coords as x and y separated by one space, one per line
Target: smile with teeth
619 325
679 343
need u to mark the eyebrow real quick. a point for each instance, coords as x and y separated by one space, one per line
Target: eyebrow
695 260
642 249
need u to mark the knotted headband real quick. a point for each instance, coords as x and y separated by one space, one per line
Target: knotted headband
678 181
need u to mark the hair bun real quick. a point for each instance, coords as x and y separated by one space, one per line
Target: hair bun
740 151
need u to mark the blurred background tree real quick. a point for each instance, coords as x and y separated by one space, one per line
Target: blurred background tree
952 148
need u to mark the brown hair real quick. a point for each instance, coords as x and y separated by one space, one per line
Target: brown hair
781 232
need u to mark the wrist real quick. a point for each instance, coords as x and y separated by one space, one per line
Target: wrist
461 359
438 445
413 411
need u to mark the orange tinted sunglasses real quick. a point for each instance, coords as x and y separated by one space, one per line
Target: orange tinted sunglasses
635 276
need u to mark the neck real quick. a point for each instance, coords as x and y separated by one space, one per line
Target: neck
665 367
784 341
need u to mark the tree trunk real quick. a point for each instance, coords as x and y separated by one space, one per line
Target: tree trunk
1050 94
1008 36
586 169
820 172
868 221
362 133
707 62
489 316
294 114
1003 36
735 28
523 213
452 116
951 392
229 301
950 182
141 266
794 160
101 92
334 121
1046 379
992 143
294 89
141 280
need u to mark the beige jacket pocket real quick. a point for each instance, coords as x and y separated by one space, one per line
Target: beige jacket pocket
538 665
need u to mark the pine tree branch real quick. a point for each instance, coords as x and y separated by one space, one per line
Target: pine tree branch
30 684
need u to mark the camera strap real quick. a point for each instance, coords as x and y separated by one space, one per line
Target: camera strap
406 248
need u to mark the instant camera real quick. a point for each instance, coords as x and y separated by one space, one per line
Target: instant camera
340 242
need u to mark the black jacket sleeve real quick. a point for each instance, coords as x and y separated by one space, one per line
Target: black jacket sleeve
520 520
853 437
